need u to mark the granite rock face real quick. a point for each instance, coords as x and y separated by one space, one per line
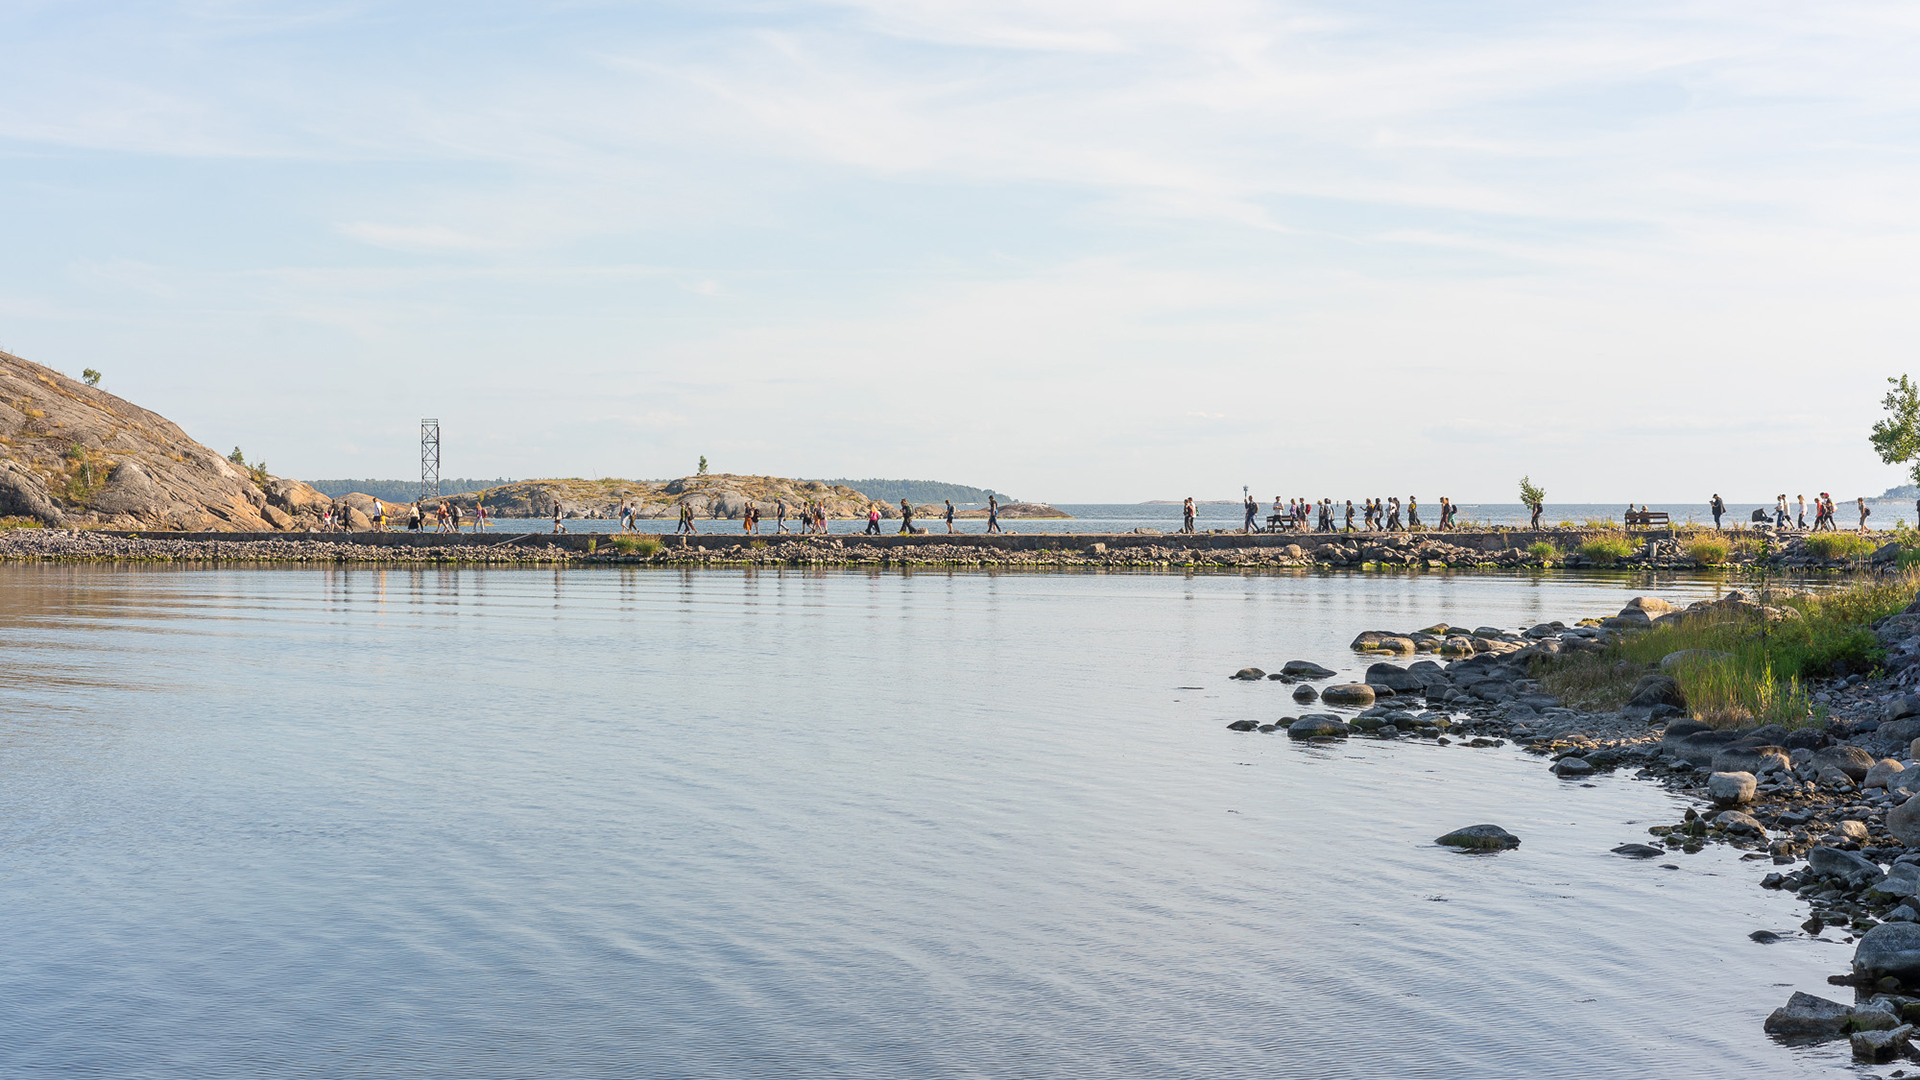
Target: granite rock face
73 455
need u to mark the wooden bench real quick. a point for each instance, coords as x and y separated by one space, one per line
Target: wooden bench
1281 523
1646 519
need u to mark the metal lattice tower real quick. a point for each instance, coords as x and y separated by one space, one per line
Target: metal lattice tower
429 458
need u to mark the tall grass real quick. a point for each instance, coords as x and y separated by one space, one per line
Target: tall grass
647 546
1839 545
1753 677
1707 550
1606 550
1542 550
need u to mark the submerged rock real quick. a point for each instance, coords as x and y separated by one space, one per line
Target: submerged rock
1638 851
1480 838
1306 669
1881 1045
1249 674
1310 727
1303 692
1573 766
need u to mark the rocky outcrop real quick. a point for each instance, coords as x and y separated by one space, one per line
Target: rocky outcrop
73 455
720 495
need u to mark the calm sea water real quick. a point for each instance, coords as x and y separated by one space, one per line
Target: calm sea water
644 823
1125 517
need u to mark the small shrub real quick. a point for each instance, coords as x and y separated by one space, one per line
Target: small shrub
1606 550
593 544
1708 550
1542 550
647 546
757 545
1839 545
1748 547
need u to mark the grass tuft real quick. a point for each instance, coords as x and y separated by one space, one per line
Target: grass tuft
1839 545
1708 550
1606 550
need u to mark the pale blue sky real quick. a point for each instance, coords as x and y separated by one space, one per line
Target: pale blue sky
1073 250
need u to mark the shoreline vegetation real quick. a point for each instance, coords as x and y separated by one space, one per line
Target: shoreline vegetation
1790 720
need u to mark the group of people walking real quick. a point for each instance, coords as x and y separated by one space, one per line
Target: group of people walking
1785 516
446 517
1326 515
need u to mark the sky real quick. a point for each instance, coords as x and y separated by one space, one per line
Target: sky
1078 251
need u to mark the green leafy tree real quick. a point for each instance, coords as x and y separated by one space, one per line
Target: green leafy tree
1530 494
1897 438
90 377
237 457
703 465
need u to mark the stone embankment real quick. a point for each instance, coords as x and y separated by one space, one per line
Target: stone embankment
20 545
1835 807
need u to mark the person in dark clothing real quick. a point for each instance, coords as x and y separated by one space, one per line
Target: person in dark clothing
1186 515
1717 508
906 517
993 514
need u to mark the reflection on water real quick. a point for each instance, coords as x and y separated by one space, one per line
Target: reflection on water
505 823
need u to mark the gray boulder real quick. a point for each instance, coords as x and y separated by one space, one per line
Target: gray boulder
1652 605
1900 707
1881 1045
1883 774
1657 689
1848 759
1681 728
1903 879
1903 821
1348 694
1480 838
1740 824
1731 789
1806 1015
1743 758
1308 727
1303 692
1393 677
1701 747
1249 674
1573 766
1691 656
1306 669
1849 866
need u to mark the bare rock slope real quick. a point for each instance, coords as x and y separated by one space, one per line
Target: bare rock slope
73 455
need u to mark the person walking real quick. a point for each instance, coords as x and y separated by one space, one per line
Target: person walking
993 514
1393 513
1413 513
379 516
1865 510
906 517
1247 504
453 517
873 519
780 517
1717 508
1349 515
557 527
1780 511
947 515
1186 515
1802 500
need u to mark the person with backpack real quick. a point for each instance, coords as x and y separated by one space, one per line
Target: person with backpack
1717 508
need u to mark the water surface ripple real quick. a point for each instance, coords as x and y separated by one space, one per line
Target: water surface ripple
637 823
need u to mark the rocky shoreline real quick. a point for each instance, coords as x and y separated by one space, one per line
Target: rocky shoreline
1835 807
63 545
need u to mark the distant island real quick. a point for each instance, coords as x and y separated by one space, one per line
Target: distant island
922 491
719 495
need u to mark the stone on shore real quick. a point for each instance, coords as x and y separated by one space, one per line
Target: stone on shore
1657 689
1849 866
1480 838
1310 727
1731 789
1903 821
1755 759
1652 605
1807 1015
1348 694
1883 774
1691 656
1306 669
1744 824
1881 1045
1249 674
1573 766
1848 759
